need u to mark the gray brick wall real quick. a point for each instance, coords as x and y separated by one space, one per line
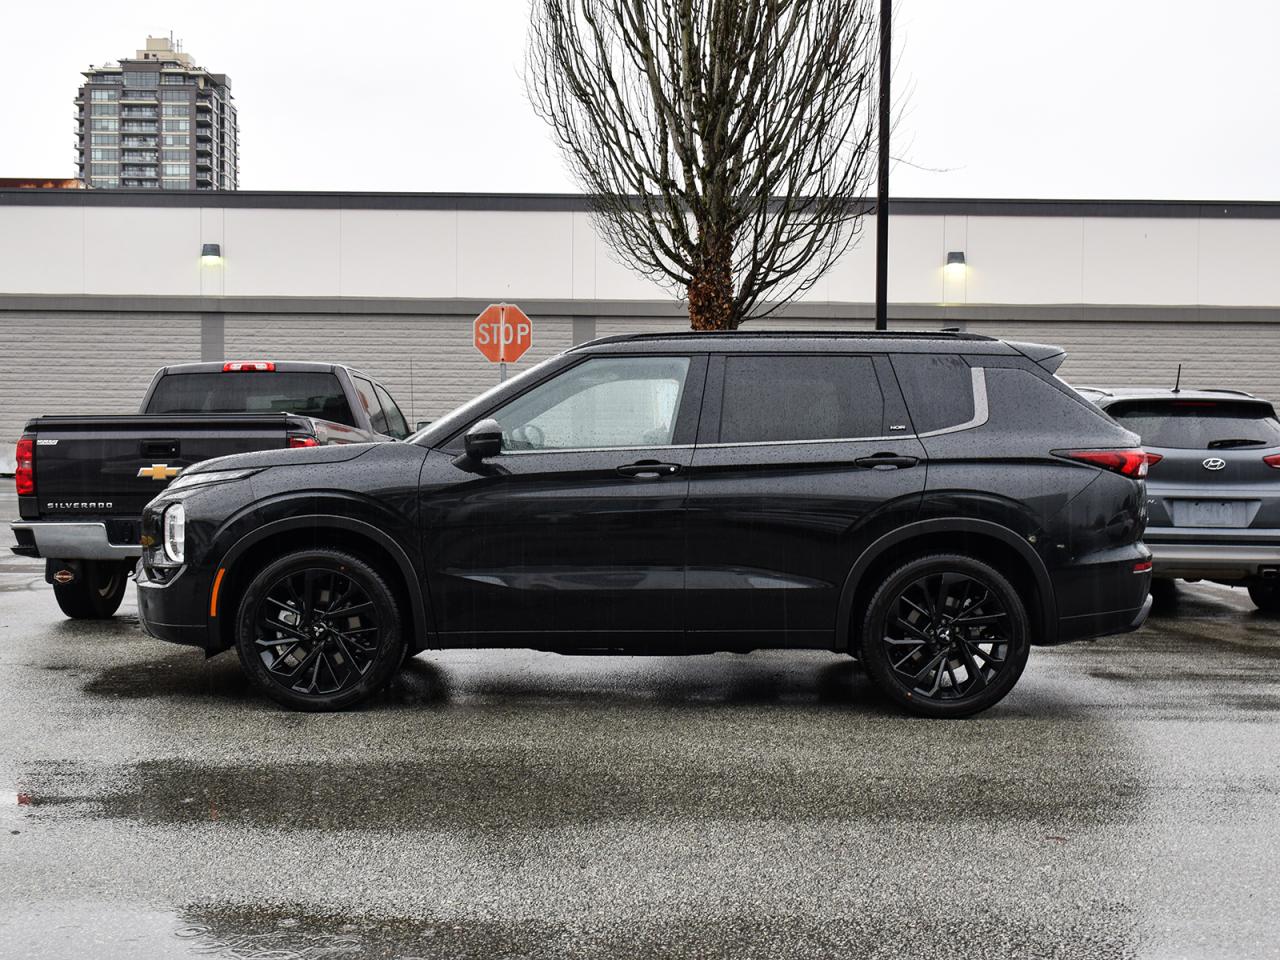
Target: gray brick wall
80 363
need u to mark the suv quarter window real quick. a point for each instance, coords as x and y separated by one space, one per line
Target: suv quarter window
789 398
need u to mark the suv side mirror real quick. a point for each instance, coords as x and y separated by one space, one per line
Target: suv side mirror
421 425
484 440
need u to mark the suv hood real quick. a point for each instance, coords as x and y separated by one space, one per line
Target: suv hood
288 457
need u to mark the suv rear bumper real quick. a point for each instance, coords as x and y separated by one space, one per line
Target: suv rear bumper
1195 560
59 540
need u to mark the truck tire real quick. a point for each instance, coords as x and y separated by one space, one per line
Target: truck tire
95 594
1265 595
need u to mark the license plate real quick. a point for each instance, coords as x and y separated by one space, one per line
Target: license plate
1212 513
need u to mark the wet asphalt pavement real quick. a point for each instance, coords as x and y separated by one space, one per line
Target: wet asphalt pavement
1123 801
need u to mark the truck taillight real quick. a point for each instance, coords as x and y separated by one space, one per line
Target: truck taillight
249 366
1272 461
301 441
25 474
1128 463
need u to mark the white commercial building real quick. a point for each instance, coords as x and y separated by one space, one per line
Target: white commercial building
98 288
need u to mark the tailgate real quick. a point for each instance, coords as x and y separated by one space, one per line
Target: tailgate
112 466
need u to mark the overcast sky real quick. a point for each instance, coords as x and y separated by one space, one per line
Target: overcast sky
1002 98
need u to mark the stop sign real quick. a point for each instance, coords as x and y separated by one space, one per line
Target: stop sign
503 332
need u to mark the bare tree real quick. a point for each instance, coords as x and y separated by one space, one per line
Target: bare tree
727 145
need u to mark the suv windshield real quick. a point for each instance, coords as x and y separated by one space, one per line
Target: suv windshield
307 394
1199 424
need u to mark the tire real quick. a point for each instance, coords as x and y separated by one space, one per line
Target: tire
96 592
1265 595
300 655
1164 595
966 663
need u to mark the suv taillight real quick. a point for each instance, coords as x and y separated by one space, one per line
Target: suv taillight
25 474
1128 463
298 440
1272 461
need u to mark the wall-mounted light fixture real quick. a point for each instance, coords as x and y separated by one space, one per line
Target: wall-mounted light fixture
211 254
956 265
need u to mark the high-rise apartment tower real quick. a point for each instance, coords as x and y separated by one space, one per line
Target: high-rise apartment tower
157 121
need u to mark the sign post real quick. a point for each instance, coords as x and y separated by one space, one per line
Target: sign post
502 332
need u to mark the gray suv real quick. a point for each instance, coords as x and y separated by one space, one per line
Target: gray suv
1213 484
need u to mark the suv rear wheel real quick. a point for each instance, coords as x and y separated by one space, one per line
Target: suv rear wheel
945 636
1265 595
319 630
96 591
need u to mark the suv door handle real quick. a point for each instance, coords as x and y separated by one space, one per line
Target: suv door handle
649 470
886 461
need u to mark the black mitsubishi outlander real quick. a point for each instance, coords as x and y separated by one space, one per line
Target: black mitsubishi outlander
932 504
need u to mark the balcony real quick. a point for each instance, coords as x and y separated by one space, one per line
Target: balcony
139 142
146 173
138 96
142 112
137 127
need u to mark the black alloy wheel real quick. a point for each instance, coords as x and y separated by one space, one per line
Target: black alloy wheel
319 630
945 636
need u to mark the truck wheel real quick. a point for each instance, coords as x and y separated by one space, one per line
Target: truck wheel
945 636
96 592
1265 595
319 630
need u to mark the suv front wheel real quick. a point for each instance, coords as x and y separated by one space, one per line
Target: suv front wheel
319 630
945 635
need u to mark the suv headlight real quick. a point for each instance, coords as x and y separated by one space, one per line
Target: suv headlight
213 476
175 532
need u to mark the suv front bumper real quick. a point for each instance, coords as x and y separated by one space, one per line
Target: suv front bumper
58 540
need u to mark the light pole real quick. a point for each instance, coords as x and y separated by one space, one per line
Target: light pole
882 182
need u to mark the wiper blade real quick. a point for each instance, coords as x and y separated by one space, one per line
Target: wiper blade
1236 442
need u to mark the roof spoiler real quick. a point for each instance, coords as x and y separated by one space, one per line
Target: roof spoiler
1044 355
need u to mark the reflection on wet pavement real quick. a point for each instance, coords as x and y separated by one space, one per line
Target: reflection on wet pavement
1123 801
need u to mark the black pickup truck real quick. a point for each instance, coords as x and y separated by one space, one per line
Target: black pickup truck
83 480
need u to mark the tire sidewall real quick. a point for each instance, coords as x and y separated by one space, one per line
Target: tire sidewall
875 657
391 646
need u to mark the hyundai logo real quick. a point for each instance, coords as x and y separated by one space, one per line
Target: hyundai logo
1214 463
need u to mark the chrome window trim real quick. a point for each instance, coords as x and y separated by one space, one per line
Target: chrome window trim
981 414
665 446
980 411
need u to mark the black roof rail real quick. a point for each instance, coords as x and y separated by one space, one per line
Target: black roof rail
797 335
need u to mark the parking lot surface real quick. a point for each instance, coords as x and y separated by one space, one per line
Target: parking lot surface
1123 801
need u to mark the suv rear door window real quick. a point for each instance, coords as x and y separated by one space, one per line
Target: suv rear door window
938 388
1199 424
306 394
775 399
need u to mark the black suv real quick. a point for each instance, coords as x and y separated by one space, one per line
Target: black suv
1215 484
932 504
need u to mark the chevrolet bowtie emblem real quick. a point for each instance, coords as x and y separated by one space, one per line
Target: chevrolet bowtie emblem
159 471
